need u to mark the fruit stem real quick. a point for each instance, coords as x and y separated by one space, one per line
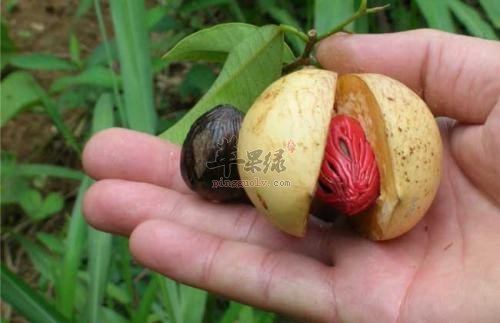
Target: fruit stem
362 10
294 31
312 36
305 58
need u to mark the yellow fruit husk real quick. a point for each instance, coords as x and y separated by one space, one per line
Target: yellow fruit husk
293 114
407 146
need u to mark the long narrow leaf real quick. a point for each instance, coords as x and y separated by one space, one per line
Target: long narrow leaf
42 261
124 260
492 9
329 13
193 302
129 21
73 255
99 253
100 243
26 301
44 62
437 14
147 300
472 20
55 115
31 170
169 296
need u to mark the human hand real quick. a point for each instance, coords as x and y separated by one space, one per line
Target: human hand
446 269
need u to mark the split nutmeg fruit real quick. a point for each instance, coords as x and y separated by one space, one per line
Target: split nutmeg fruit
362 145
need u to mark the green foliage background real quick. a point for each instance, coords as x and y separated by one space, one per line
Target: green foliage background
89 276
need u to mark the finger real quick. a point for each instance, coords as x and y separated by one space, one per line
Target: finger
119 206
456 75
480 159
126 154
270 279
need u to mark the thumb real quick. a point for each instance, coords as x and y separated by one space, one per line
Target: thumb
456 75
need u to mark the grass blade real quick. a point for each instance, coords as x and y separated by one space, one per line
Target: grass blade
26 301
41 62
32 170
169 297
99 261
100 243
125 268
492 9
437 14
55 115
147 299
472 20
193 303
111 51
73 255
329 13
129 21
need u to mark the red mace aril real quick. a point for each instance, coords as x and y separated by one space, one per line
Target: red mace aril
349 179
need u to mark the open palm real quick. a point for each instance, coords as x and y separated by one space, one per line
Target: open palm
447 269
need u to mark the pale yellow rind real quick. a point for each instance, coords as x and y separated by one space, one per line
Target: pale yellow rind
292 114
415 152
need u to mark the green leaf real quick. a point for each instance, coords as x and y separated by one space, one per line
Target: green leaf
96 76
210 44
100 251
169 296
53 203
147 300
74 49
32 170
53 243
437 14
56 117
27 301
31 202
44 263
192 301
115 292
75 240
38 208
99 56
214 43
492 9
329 13
249 69
18 92
197 81
472 20
246 314
232 313
192 6
83 7
13 188
100 243
129 21
110 316
284 16
44 62
155 15
6 43
103 113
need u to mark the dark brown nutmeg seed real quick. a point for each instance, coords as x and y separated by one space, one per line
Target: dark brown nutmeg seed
208 158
